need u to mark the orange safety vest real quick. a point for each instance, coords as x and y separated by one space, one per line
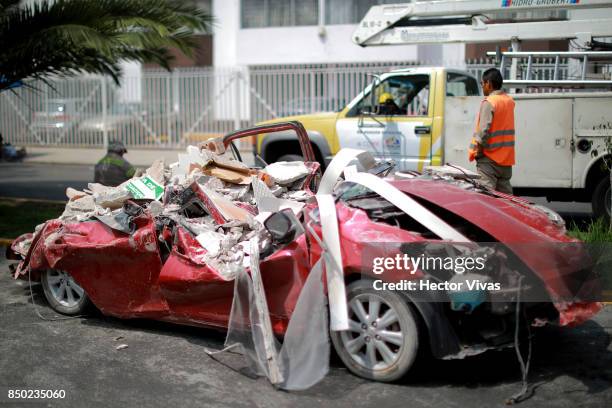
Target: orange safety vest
499 143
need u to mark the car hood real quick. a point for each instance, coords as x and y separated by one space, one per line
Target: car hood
505 219
303 118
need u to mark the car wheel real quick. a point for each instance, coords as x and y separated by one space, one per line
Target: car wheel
290 157
601 199
382 342
63 293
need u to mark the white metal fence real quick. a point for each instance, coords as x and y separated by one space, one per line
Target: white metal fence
173 109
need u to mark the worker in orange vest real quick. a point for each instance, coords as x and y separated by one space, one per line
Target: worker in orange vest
492 144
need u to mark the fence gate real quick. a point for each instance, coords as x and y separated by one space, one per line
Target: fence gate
173 109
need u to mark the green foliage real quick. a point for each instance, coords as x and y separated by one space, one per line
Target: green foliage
596 231
598 235
69 36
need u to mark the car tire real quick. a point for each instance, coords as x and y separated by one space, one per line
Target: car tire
64 295
290 158
601 199
383 340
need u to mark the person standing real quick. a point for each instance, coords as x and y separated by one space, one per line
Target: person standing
113 169
492 144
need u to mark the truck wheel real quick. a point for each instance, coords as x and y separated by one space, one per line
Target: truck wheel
63 293
290 157
383 340
601 199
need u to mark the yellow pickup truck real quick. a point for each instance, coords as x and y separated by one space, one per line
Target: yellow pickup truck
407 129
428 118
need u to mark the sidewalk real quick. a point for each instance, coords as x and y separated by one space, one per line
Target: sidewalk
90 156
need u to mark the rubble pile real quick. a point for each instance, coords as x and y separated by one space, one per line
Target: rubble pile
218 200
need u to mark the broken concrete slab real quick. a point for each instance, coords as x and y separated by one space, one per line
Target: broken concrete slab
286 173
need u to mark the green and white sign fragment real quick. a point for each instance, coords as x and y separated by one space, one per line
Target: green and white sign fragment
145 187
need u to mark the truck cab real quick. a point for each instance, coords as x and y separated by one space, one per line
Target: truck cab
406 128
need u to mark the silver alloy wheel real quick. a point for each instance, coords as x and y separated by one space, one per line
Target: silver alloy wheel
375 338
64 289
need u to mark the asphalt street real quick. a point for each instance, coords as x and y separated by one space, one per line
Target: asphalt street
42 181
165 365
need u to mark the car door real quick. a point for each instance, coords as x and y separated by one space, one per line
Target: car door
398 126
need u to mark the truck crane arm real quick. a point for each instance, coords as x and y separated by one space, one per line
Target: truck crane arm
449 21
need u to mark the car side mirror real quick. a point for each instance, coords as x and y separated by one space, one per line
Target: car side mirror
282 227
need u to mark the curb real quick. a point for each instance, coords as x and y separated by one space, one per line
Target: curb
5 242
605 294
58 162
35 200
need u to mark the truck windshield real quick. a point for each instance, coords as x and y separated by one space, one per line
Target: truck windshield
402 95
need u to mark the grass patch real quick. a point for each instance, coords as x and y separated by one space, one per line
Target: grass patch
596 231
18 216
598 235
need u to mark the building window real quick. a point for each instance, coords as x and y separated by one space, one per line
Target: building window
279 13
350 11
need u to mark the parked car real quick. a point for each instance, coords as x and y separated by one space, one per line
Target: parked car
131 122
160 267
57 116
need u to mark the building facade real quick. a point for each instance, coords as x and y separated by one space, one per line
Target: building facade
302 32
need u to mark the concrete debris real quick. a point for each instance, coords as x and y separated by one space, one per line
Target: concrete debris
79 206
211 241
297 195
121 347
286 173
214 145
220 202
156 171
450 171
74 194
109 197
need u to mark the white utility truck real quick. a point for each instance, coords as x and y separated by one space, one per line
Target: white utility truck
561 137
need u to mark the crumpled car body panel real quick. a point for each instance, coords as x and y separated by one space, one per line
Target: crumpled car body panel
124 277
529 234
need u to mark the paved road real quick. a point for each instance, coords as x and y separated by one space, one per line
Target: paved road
42 181
165 365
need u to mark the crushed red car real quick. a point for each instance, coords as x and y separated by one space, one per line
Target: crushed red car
170 244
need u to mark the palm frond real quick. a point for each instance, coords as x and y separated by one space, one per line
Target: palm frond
64 37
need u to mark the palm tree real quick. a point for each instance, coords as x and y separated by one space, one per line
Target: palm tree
65 37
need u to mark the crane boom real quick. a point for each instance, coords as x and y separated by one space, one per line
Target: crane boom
428 22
